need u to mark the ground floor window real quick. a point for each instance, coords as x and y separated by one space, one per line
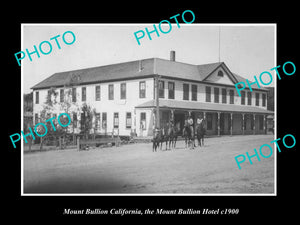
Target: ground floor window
97 121
143 121
116 120
104 120
128 120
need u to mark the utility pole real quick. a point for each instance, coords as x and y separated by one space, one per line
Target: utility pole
157 121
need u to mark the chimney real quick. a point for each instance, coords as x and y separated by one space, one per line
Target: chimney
172 55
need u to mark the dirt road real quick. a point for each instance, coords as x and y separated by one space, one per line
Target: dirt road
135 169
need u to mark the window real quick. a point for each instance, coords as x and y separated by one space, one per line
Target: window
36 118
142 89
143 121
74 120
128 120
97 93
257 99
231 96
104 120
73 94
209 121
171 88
161 89
220 73
97 122
224 95
37 97
208 94
194 92
83 94
111 92
249 96
116 120
263 99
123 91
216 94
61 95
186 91
242 97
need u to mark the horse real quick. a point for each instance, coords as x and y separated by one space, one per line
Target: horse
157 137
167 132
174 136
200 129
188 134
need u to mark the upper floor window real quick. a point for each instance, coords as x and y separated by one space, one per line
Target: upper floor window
263 99
224 95
61 95
73 94
97 93
83 94
242 97
37 99
208 93
220 73
161 89
231 96
123 91
216 94
171 88
249 96
185 91
257 99
194 92
111 92
142 87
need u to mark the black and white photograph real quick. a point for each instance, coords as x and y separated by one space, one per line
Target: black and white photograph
132 112
144 109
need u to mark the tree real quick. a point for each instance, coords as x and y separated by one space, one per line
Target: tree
86 119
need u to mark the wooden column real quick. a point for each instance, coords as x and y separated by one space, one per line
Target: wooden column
231 123
157 102
265 131
253 123
243 119
219 123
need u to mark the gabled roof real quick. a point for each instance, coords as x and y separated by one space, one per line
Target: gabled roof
134 70
186 105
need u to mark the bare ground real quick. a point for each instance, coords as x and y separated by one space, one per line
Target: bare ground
135 169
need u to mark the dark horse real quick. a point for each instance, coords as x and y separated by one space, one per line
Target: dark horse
172 134
200 129
157 138
188 134
167 134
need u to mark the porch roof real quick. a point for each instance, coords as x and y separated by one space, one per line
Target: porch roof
187 105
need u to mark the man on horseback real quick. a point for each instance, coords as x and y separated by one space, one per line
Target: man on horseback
188 132
200 129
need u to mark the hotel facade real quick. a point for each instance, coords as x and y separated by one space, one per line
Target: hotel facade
123 97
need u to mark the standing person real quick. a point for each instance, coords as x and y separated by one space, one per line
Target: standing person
190 121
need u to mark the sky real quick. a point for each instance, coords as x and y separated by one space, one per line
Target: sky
247 49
